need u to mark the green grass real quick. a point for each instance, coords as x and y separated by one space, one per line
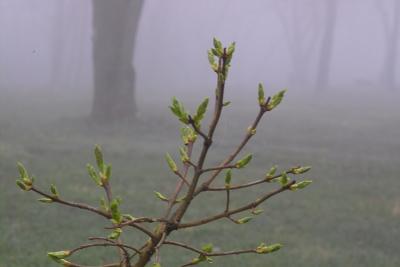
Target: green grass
350 216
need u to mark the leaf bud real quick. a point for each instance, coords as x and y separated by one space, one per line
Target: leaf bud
244 161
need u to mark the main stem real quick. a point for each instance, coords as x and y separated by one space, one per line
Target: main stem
164 229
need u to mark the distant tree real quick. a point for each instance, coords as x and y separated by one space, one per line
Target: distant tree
326 47
115 26
390 16
300 24
68 46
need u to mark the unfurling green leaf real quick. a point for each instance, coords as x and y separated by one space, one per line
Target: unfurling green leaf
171 163
103 204
54 190
22 171
93 174
201 110
184 155
207 248
188 135
300 185
244 161
211 59
300 170
231 49
23 186
156 265
108 172
58 255
219 50
161 196
45 200
264 249
261 94
244 220
257 211
179 111
200 259
115 233
271 172
228 178
283 179
99 157
115 212
276 100
227 103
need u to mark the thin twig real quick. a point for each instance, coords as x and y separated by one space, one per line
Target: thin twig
218 168
232 156
72 204
237 210
217 254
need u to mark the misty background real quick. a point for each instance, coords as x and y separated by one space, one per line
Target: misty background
338 59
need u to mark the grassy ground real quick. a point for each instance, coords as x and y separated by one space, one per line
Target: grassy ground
350 216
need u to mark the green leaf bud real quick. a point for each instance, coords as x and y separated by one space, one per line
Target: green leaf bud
179 111
211 58
244 220
184 155
228 178
115 212
231 49
45 200
257 211
244 161
188 135
263 249
251 130
271 172
300 185
93 174
161 196
276 100
22 171
156 265
201 110
171 163
99 157
207 248
261 94
103 204
58 255
54 190
283 179
23 186
115 233
218 47
108 172
300 170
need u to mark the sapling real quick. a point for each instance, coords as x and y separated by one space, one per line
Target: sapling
194 178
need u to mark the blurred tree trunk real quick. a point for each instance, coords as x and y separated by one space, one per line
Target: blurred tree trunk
326 48
299 22
391 27
115 25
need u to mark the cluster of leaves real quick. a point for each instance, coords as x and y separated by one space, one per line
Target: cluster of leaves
188 186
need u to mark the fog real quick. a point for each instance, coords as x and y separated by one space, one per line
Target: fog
41 39
78 73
